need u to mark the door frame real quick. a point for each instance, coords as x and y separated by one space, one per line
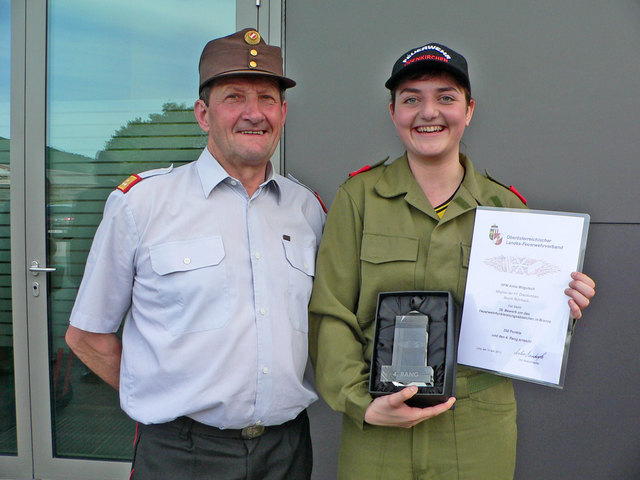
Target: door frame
28 241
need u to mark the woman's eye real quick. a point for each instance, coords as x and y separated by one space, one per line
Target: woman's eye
447 99
410 100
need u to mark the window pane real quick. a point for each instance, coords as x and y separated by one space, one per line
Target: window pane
122 79
8 437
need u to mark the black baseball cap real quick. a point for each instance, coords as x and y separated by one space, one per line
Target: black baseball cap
431 55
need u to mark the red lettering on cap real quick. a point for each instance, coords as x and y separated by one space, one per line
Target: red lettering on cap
427 57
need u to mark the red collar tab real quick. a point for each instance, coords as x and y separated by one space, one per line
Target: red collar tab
517 194
363 169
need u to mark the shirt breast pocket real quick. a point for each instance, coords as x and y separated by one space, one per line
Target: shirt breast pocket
192 284
301 262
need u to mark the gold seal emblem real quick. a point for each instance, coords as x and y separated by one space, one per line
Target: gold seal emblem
252 37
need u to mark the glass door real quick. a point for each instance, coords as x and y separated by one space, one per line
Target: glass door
105 90
8 426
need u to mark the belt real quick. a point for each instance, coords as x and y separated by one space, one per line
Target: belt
465 386
188 425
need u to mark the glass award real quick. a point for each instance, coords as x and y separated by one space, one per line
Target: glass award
409 360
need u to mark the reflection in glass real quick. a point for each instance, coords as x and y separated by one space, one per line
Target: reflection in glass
8 436
120 93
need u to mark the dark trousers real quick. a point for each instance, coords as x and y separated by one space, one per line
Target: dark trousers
188 450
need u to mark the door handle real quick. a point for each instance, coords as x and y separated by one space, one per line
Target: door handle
35 268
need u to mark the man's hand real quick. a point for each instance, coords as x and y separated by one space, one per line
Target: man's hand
391 411
580 292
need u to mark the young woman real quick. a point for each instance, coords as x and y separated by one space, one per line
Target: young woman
407 225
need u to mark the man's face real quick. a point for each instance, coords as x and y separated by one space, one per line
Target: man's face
430 116
244 120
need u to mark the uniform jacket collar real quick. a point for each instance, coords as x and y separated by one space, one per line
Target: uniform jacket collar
397 179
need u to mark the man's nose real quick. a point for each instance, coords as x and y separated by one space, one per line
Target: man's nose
252 110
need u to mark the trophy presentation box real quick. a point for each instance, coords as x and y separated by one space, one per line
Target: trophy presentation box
415 344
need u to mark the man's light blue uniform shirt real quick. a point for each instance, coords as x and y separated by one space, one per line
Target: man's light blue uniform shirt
213 287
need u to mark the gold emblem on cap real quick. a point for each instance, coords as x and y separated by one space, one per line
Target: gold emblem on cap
252 37
253 64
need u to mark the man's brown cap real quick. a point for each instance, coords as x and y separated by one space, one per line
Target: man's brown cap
243 53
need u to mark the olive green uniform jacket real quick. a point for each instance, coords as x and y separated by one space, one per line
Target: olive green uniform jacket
382 234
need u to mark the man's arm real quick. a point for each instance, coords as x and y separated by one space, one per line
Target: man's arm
98 351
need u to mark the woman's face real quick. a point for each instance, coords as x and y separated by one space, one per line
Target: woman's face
430 115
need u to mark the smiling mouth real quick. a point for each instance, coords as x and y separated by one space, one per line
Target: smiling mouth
253 132
430 129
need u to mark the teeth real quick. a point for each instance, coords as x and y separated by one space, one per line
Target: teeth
430 129
251 132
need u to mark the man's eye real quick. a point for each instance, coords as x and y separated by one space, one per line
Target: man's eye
268 99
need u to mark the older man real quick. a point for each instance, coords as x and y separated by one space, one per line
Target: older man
211 266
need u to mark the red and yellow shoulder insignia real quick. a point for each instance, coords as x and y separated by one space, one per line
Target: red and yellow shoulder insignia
125 186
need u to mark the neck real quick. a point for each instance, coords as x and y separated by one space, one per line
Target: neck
438 179
250 175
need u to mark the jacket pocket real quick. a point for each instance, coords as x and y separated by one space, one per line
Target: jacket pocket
378 248
191 280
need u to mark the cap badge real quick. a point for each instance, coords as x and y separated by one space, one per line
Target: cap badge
252 37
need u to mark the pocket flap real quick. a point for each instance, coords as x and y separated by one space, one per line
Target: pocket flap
301 258
185 255
377 248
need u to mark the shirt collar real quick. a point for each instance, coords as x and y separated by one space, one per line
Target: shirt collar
212 174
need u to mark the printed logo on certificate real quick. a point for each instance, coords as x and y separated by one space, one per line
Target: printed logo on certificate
516 319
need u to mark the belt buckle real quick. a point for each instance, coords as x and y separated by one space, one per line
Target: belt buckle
252 431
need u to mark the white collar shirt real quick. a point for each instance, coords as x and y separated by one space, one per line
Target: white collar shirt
213 287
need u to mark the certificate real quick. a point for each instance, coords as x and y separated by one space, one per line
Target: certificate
516 319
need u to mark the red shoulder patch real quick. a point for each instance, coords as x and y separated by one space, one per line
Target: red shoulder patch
125 186
321 202
517 194
363 169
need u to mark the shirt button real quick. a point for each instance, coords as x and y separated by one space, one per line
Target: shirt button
257 255
186 261
265 370
306 266
233 182
262 311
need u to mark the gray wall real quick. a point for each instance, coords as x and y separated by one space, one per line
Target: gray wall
557 116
